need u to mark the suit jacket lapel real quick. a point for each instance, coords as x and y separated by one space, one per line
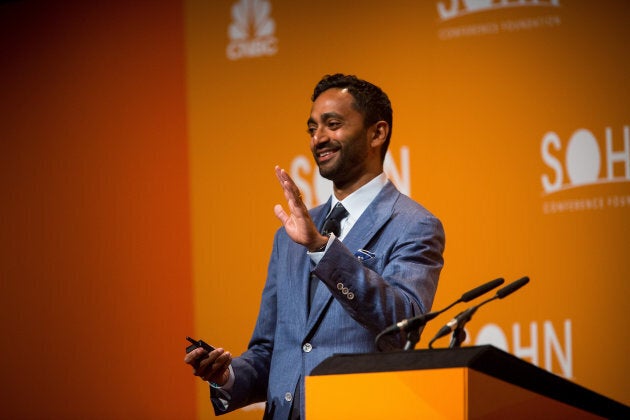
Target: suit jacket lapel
372 219
318 219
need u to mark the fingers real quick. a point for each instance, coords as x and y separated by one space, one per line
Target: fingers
211 367
220 374
291 191
287 183
280 213
218 371
194 357
296 219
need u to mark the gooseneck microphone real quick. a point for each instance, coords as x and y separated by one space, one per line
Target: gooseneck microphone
457 324
412 325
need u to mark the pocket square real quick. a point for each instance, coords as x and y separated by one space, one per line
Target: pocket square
364 254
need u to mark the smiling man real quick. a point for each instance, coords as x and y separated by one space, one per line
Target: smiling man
339 273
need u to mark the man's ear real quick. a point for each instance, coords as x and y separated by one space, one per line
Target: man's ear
379 135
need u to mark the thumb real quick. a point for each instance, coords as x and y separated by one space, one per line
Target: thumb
280 213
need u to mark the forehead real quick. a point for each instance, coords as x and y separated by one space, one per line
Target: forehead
334 101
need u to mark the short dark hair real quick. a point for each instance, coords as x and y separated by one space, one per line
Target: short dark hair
369 100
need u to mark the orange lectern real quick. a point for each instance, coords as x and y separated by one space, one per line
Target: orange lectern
464 383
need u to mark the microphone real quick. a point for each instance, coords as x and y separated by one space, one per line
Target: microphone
459 321
463 317
409 324
478 291
413 324
416 322
511 288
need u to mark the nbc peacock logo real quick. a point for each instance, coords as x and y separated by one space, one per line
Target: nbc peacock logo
252 31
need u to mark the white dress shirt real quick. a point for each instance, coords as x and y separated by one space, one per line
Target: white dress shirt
355 204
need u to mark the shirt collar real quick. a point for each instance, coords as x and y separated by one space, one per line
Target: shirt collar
358 201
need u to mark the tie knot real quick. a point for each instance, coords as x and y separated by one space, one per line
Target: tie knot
338 212
333 221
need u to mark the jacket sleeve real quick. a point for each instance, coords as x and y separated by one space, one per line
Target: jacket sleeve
399 282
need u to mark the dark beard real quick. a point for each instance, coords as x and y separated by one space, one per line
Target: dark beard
344 170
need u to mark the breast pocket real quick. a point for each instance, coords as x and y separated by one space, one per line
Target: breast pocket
368 259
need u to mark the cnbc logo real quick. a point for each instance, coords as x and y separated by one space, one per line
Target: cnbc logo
586 159
252 30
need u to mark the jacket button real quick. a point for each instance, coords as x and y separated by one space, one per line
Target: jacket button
350 295
288 397
307 347
339 286
345 290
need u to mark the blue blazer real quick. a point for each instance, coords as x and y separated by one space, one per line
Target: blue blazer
355 299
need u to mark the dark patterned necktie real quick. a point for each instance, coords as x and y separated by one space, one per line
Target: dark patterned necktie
332 224
333 221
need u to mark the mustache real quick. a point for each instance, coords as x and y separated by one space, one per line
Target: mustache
330 144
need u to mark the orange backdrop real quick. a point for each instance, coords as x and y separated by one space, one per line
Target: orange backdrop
490 102
138 146
95 237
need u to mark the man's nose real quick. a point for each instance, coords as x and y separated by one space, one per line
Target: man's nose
319 136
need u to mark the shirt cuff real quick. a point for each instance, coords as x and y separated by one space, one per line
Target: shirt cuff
228 385
221 395
317 256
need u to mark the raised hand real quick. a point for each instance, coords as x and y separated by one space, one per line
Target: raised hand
297 222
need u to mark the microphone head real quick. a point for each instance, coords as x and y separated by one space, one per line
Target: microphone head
478 291
512 287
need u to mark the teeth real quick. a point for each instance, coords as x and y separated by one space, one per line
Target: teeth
324 154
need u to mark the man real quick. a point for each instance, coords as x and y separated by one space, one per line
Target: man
333 292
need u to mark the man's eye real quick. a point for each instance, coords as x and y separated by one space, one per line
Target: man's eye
311 130
333 125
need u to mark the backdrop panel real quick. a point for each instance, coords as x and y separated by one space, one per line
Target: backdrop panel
510 125
95 284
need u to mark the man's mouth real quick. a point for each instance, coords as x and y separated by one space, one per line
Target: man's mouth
325 155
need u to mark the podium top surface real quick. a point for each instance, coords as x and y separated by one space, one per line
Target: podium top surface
485 359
